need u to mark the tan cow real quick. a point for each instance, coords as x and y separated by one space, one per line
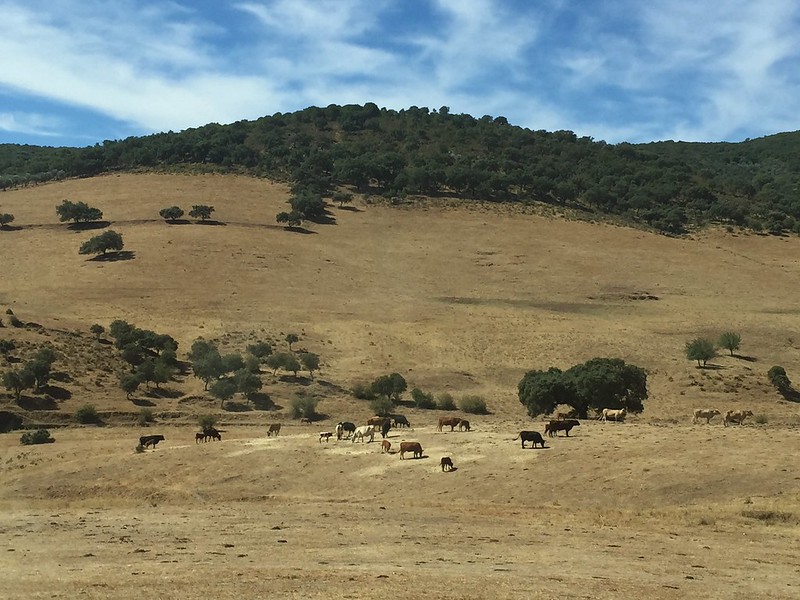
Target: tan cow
704 413
386 445
451 421
612 414
736 416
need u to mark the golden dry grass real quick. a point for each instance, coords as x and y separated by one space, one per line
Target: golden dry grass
462 299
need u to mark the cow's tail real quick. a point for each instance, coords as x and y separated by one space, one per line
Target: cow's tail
516 438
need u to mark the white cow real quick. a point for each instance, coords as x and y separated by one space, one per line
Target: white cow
616 415
704 413
364 431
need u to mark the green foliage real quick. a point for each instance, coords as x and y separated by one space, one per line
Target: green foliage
303 406
201 211
598 383
247 383
475 405
14 321
7 346
173 213
201 348
40 436
129 384
445 402
382 406
391 386
87 415
342 198
37 370
232 362
700 349
252 364
362 391
283 360
144 417
291 338
206 422
100 244
223 389
97 329
79 212
310 362
730 341
260 350
761 419
291 219
308 204
421 399
6 219
207 366
777 376
17 382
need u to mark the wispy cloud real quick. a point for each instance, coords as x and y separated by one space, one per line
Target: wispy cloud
627 70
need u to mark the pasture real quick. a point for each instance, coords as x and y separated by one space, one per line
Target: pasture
457 298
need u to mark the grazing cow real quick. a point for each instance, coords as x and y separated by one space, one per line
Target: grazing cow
362 432
212 433
451 421
326 435
387 425
447 462
553 427
463 425
199 436
530 436
379 421
150 440
386 445
736 416
414 447
616 415
704 413
345 429
400 421
274 428
306 420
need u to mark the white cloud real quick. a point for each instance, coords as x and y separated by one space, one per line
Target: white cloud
31 123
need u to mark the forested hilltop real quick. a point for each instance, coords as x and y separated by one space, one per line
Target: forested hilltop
670 186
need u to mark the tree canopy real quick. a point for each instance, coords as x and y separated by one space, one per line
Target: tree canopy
596 384
700 349
79 212
100 244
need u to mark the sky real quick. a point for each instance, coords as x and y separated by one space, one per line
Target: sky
78 72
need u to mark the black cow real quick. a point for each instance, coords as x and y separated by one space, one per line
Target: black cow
345 429
566 425
212 433
400 421
530 436
387 425
150 440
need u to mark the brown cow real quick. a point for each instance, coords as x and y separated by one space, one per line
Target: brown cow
199 436
274 428
553 427
447 462
386 445
414 447
379 421
451 421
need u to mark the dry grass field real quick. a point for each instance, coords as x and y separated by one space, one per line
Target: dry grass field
457 298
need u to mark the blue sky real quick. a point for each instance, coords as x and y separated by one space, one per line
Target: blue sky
77 72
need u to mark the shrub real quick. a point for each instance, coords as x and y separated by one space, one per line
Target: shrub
421 399
40 436
206 421
14 321
445 402
475 405
363 391
761 419
97 329
382 406
700 349
304 407
87 414
144 417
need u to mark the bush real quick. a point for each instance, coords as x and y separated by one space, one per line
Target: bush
97 329
14 321
475 405
206 421
87 414
421 399
363 391
445 402
761 419
382 406
40 436
144 417
304 407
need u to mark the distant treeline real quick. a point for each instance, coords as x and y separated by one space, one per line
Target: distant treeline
667 185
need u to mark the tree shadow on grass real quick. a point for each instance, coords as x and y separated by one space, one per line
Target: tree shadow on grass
37 403
56 392
302 230
790 394
232 406
88 226
262 401
164 392
114 256
350 208
746 358
326 218
211 222
178 222
711 367
142 402
10 227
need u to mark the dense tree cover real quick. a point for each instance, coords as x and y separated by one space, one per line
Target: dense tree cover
667 185
598 383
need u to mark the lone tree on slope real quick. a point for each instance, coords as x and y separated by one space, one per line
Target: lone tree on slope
201 211
700 349
108 240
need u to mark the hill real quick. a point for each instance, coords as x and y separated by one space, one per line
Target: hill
459 296
669 186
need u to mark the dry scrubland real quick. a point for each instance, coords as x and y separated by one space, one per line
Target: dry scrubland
458 299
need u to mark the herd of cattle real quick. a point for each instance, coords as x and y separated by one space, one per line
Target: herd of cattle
346 430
